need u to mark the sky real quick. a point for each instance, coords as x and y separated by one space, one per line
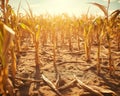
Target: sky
71 7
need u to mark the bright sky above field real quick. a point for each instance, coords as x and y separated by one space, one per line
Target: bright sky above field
71 7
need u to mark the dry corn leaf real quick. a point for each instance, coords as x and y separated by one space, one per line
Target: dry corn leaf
22 25
102 7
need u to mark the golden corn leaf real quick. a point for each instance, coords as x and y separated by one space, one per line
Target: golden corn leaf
102 7
6 34
37 32
22 25
85 33
9 30
90 27
114 15
102 33
98 21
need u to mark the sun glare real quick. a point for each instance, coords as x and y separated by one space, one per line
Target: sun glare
56 7
59 6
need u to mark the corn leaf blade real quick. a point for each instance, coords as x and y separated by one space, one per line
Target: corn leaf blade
102 7
24 26
9 30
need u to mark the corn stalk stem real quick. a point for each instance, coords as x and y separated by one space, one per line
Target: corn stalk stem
37 54
18 44
87 50
98 58
54 57
13 66
69 40
5 73
54 54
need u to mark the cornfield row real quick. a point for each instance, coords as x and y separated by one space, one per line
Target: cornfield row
59 30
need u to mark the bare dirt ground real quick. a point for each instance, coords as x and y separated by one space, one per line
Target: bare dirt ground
69 64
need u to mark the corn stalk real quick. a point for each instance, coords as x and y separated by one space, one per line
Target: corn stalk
13 66
99 28
54 50
78 33
37 38
14 24
14 19
35 32
108 31
110 35
6 36
114 19
70 38
5 40
87 45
